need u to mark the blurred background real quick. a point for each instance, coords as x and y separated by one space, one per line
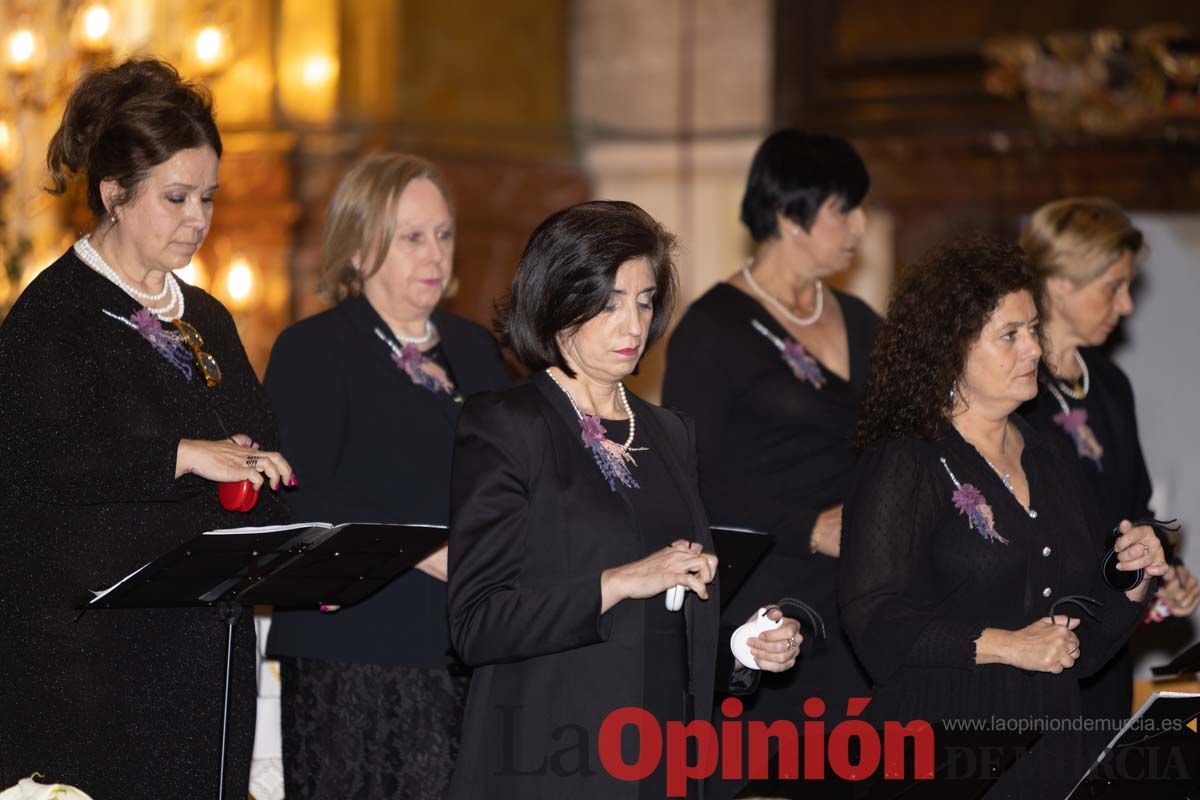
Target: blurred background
969 115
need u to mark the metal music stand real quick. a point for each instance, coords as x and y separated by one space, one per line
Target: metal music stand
1161 737
286 566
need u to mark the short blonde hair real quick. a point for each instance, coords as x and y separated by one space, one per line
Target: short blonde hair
361 220
1078 238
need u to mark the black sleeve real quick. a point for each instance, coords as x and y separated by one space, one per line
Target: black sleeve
738 679
703 384
495 614
1142 486
309 395
1118 617
886 589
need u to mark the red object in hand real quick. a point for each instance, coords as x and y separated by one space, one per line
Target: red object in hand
237 496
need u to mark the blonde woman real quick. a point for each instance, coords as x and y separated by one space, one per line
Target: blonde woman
1086 250
367 395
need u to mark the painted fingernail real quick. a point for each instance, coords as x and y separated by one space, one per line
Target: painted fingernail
325 609
275 486
292 481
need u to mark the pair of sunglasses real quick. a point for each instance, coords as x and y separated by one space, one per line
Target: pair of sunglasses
207 364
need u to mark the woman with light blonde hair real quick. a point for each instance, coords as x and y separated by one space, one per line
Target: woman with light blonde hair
1087 250
367 395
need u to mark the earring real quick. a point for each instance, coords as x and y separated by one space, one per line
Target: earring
952 392
795 231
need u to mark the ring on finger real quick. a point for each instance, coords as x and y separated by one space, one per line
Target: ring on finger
1074 648
1145 549
791 643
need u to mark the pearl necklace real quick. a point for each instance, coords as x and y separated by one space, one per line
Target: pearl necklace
1005 477
624 405
1087 381
416 339
89 255
802 321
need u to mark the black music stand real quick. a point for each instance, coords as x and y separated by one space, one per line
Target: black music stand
1154 755
286 566
1184 664
738 552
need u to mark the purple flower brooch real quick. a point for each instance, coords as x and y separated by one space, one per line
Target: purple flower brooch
422 371
803 365
168 344
971 503
610 457
1074 424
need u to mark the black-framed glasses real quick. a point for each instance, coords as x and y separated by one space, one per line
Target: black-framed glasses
205 361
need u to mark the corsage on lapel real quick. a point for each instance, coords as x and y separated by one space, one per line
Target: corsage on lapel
803 366
971 503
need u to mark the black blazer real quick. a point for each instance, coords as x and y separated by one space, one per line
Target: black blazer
532 526
369 445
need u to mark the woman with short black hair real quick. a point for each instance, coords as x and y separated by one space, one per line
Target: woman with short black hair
771 364
574 508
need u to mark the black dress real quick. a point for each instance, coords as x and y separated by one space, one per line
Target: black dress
120 703
371 699
919 582
1111 456
774 448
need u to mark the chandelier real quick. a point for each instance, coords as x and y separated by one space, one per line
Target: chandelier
40 60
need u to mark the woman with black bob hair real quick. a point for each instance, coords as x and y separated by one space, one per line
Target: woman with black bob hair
771 364
574 508
968 532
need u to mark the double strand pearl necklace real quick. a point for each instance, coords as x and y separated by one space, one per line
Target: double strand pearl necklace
1069 391
89 255
416 339
624 405
1005 477
780 307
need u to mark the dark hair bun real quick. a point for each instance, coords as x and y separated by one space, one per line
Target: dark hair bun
122 121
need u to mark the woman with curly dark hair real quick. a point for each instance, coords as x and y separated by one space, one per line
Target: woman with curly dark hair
965 527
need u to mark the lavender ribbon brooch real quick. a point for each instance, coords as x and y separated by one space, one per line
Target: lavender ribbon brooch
1074 423
610 457
420 370
971 503
803 365
168 344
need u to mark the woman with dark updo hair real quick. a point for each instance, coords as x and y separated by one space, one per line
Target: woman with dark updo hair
966 527
121 386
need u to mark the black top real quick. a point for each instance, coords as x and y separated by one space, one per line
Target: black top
662 514
774 453
1118 477
1101 429
533 524
93 416
919 582
370 445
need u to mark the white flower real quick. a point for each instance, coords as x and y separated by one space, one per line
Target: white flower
29 789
